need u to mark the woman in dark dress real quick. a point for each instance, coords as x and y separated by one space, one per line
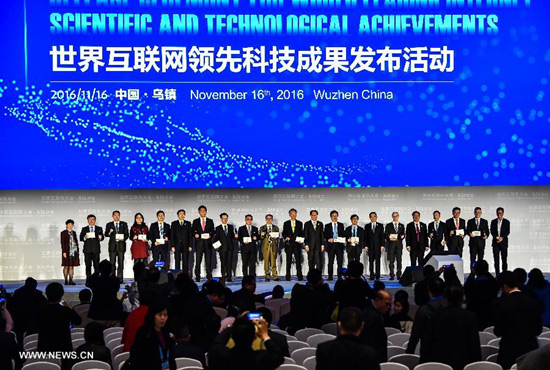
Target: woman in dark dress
138 233
69 250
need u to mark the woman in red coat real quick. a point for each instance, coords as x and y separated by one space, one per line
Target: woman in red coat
138 233
69 250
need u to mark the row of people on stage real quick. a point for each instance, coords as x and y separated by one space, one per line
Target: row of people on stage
201 237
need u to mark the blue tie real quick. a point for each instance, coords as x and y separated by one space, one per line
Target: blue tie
335 232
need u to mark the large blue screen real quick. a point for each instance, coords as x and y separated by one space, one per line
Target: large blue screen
183 112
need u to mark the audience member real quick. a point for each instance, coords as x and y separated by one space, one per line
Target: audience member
481 290
400 318
245 298
95 344
183 347
374 332
8 348
105 308
353 290
278 292
280 339
85 298
421 288
25 306
135 320
541 287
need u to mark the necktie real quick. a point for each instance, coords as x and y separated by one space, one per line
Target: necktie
161 230
269 229
354 232
92 229
395 226
203 224
457 225
499 224
225 229
314 225
477 223
181 223
334 231
116 227
373 228
417 233
249 233
436 226
293 227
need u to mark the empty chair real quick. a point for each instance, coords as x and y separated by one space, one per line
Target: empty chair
494 342
433 366
53 361
183 361
406 359
303 334
78 342
393 366
390 343
293 345
291 367
545 329
279 331
31 345
289 360
490 329
115 329
395 350
301 354
310 363
314 340
77 335
514 367
190 368
487 350
486 337
330 328
290 337
41 365
543 335
112 343
492 358
399 339
390 331
77 330
222 312
117 351
276 305
111 336
29 338
119 359
91 364
483 365
543 341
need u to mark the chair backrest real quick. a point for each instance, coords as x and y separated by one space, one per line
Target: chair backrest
284 308
490 329
301 354
78 342
184 361
289 360
399 339
406 359
279 331
290 337
29 338
119 359
492 358
483 365
31 345
190 368
77 335
330 328
485 337
113 343
303 334
495 342
310 363
395 350
314 340
291 367
109 337
275 304
433 366
258 305
117 351
91 364
53 361
41 365
116 329
543 335
543 341
487 350
293 345
393 366
221 312
545 329
77 330
391 331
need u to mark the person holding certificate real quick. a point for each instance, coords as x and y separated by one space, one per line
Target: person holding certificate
500 230
203 229
314 241
456 229
92 236
181 239
436 233
269 235
118 233
248 236
478 230
417 239
374 244
336 243
395 233
224 244
138 233
355 238
293 234
159 233
69 250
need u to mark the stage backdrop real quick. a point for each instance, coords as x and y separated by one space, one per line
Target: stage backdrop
30 221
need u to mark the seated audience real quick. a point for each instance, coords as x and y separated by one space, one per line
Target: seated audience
183 347
400 318
278 292
8 348
95 343
85 298
541 287
245 298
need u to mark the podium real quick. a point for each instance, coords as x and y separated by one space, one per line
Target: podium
440 260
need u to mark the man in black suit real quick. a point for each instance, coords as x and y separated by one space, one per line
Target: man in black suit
517 321
374 333
293 229
333 231
92 236
436 233
355 238
500 229
456 229
314 241
478 230
181 238
395 233
118 233
347 351
417 239
159 235
226 235
246 298
203 228
374 244
248 237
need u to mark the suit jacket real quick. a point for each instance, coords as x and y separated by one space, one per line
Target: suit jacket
390 229
197 229
243 232
110 232
504 231
374 333
423 328
411 236
226 240
477 241
314 238
454 241
329 234
360 235
266 239
437 235
374 240
181 237
346 352
91 245
154 234
287 233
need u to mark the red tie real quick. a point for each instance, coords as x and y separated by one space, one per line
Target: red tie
203 224
457 225
417 233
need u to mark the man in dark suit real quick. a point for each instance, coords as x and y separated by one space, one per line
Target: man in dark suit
248 237
436 233
374 244
293 229
355 238
333 231
314 241
417 239
159 235
246 298
92 236
517 321
374 333
456 229
500 229
395 233
118 233
478 230
226 235
347 351
181 239
203 229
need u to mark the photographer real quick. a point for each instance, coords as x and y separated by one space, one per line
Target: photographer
353 291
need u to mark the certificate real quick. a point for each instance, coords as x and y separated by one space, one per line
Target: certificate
300 239
460 232
355 240
340 239
394 236
274 234
476 233
142 237
205 236
119 236
160 241
217 244
90 235
247 240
